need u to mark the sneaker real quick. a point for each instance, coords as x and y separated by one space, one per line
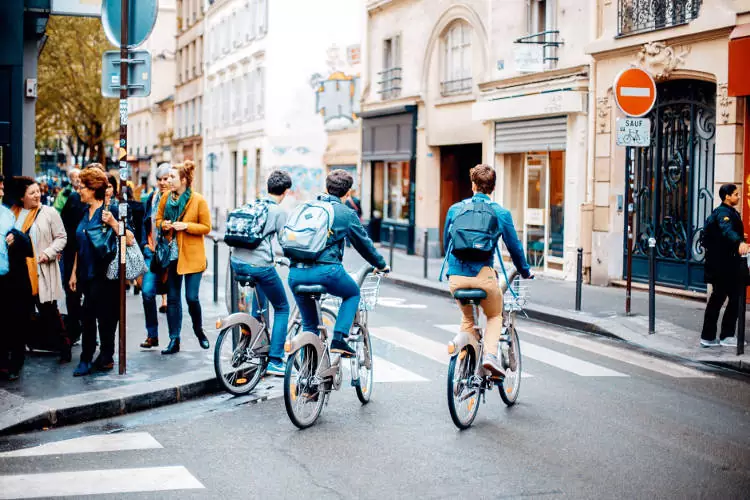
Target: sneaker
341 347
82 369
491 363
729 342
277 368
710 343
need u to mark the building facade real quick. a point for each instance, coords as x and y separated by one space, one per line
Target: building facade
150 120
259 108
697 135
187 142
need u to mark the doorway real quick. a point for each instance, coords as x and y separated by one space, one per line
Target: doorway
455 184
544 213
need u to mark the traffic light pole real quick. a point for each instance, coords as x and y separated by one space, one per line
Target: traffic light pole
123 159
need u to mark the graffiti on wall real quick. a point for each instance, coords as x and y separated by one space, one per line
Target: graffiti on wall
337 96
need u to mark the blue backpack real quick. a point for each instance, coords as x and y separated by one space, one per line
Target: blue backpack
474 232
246 225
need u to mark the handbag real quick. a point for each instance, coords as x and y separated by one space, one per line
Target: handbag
161 259
104 243
135 265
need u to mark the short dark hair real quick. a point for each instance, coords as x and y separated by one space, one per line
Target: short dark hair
484 177
727 190
20 185
339 182
278 182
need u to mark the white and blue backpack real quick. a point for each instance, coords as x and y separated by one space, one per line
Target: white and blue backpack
246 225
306 233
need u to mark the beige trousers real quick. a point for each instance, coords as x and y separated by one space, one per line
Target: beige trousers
492 306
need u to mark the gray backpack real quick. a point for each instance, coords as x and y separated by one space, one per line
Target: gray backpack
306 233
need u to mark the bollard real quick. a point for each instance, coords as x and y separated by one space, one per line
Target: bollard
426 251
392 239
741 322
651 285
216 270
579 279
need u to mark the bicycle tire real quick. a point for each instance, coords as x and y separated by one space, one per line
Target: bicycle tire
292 393
466 367
511 384
249 382
364 392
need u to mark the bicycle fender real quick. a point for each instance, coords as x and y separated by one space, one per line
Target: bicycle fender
301 340
460 341
240 319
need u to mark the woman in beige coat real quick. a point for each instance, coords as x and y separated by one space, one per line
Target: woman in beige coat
48 237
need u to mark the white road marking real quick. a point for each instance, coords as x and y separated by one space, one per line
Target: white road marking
97 482
635 91
90 444
399 337
385 371
649 363
565 362
398 303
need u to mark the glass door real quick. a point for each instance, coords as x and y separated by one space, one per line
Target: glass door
535 237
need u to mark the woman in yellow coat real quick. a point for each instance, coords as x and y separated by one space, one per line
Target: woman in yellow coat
184 219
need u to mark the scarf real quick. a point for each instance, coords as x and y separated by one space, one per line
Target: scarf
30 261
176 206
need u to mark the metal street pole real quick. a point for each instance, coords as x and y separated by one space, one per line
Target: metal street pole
123 174
651 285
630 186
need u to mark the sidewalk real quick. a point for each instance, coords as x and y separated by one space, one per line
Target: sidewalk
47 394
678 320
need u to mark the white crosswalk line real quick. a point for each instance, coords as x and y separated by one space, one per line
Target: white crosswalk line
565 362
90 444
385 371
101 482
649 363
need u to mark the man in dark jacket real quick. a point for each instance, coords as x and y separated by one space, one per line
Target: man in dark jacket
725 269
328 271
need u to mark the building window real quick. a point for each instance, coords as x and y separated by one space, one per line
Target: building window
260 91
638 16
199 110
390 77
457 60
249 91
537 16
226 94
262 17
237 99
391 190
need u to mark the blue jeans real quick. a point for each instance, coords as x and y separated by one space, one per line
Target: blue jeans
174 301
338 282
268 287
148 291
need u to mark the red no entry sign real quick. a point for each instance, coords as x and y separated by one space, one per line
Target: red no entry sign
635 92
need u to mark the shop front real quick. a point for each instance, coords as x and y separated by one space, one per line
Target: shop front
388 174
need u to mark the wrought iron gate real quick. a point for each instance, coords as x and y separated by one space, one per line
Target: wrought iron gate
674 180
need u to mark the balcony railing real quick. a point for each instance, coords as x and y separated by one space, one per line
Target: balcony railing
455 87
639 16
390 83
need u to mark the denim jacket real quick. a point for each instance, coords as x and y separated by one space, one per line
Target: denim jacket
457 267
346 224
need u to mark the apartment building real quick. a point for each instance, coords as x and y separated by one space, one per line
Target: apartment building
150 118
263 62
188 101
697 133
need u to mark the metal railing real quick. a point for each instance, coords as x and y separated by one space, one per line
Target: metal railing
390 83
639 16
453 87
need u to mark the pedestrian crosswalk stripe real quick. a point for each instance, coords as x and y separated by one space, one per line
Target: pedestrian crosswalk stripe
90 444
565 362
94 482
385 371
649 363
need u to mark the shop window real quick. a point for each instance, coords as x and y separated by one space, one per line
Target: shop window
391 190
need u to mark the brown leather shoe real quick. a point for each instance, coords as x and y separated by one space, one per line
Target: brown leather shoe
150 342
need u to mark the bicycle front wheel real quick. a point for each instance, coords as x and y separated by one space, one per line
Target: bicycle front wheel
303 398
463 396
511 384
237 370
364 363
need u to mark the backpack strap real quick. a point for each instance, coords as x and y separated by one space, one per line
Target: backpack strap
505 274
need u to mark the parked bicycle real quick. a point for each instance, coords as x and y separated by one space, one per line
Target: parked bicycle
242 347
468 380
312 372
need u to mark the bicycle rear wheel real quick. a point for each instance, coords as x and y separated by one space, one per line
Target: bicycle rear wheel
364 361
236 369
463 399
303 398
511 384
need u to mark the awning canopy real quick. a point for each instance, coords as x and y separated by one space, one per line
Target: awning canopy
739 61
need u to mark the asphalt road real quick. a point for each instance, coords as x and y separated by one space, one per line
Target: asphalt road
594 420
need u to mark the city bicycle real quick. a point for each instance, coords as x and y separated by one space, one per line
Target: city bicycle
243 344
468 380
312 371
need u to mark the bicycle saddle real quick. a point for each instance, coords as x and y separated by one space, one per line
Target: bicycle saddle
245 280
469 294
310 289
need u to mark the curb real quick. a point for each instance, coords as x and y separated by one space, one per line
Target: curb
553 317
79 408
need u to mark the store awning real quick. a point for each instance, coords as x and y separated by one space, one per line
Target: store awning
739 61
